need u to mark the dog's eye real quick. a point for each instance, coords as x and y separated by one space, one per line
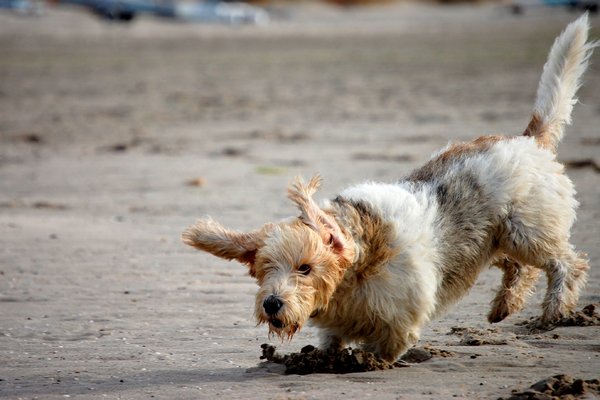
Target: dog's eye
304 269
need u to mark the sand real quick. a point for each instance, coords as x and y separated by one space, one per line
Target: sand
114 138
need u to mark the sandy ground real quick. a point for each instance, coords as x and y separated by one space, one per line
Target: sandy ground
103 125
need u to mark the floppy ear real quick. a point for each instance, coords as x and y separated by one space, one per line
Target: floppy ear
212 237
312 215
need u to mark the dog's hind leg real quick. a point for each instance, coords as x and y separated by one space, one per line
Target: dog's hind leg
544 243
518 282
567 274
565 270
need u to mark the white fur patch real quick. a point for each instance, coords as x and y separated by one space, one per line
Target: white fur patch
412 211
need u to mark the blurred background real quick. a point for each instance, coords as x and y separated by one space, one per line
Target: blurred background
238 12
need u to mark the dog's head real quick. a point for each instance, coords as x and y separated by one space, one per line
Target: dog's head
298 263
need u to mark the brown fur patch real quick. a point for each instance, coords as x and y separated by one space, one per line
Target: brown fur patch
371 234
536 129
534 126
454 152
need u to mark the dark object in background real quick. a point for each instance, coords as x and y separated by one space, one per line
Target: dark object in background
519 6
209 11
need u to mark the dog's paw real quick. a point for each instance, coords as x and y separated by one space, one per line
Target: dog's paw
496 316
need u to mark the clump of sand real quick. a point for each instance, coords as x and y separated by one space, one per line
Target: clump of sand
559 386
587 316
479 337
312 360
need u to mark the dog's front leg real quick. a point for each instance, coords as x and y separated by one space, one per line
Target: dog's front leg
391 343
331 341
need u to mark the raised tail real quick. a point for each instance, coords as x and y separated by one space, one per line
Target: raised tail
567 61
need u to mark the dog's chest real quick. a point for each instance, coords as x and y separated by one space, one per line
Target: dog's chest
351 309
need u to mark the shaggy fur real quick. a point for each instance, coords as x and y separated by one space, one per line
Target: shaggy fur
373 265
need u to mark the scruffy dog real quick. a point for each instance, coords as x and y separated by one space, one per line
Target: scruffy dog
374 264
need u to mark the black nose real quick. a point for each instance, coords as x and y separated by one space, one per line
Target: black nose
272 305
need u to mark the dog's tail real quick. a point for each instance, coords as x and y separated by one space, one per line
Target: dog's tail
561 77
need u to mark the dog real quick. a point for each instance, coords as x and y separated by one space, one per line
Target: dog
374 264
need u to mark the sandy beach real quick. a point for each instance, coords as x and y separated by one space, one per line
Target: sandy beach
114 138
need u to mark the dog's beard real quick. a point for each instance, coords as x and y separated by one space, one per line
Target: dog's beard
280 327
283 332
